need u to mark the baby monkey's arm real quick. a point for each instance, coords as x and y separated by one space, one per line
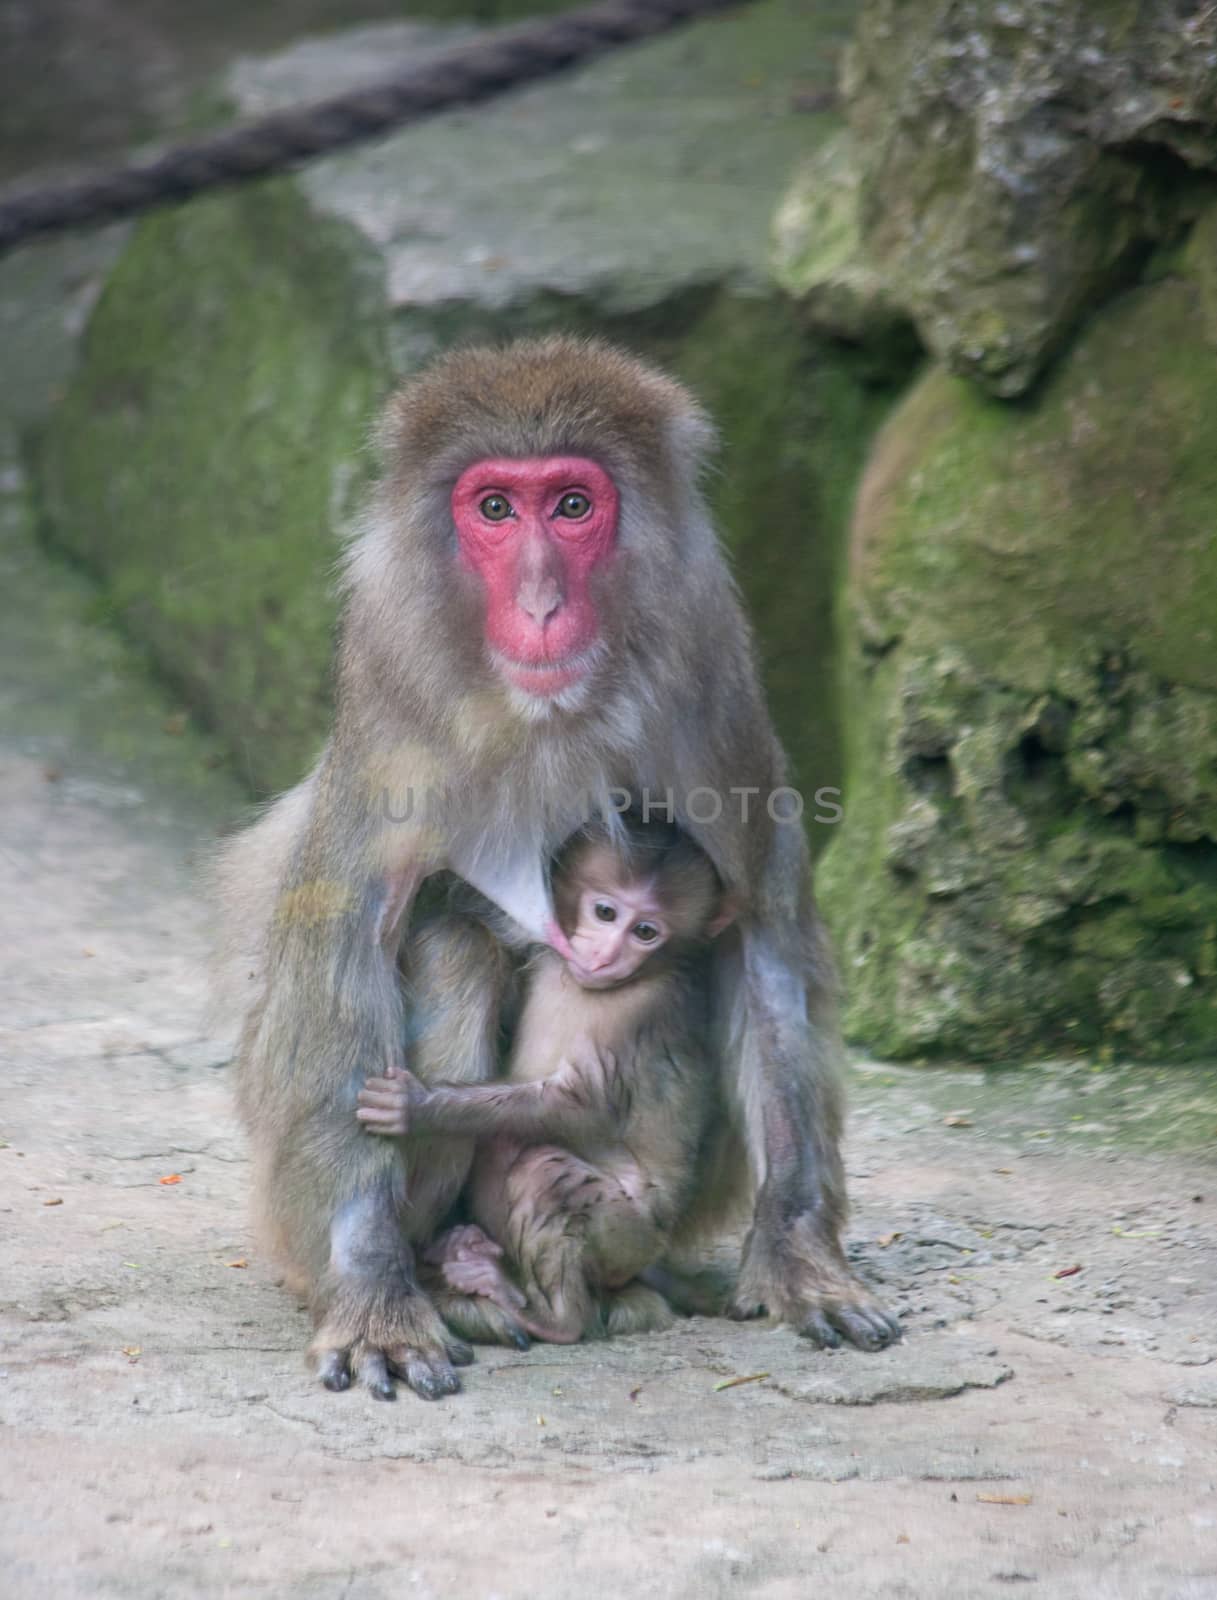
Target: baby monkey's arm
580 1099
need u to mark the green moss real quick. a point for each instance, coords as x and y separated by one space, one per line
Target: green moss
818 259
795 420
1029 854
210 450
84 706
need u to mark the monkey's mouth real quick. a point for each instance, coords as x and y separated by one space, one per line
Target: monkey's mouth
541 680
595 980
545 678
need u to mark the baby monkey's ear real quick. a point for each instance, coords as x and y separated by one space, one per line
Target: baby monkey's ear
726 914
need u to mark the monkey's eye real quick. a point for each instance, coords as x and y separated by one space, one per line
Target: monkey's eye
495 508
605 912
573 505
645 932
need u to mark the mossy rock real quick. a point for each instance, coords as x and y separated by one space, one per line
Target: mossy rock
1017 162
1028 858
210 448
820 261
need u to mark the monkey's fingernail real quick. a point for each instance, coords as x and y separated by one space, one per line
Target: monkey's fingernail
332 1370
862 1331
374 1375
459 1353
520 1339
820 1331
430 1383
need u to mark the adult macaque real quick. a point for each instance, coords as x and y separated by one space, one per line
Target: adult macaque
589 1153
538 615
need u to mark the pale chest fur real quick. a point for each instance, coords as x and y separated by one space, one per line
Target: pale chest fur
561 1021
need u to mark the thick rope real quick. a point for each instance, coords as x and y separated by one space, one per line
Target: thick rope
461 76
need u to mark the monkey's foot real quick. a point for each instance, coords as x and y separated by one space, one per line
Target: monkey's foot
802 1278
471 1263
472 1290
374 1335
483 1320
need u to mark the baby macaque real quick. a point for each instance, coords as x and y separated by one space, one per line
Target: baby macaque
588 1152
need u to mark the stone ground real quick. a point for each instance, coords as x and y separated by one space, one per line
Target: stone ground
158 1433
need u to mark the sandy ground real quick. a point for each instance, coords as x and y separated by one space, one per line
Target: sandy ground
160 1437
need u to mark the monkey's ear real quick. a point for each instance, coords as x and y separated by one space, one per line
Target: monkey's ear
724 917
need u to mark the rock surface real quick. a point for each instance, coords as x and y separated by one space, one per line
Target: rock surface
1030 838
159 1435
1019 160
81 81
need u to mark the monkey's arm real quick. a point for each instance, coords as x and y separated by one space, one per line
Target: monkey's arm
794 1264
343 1208
579 1101
775 992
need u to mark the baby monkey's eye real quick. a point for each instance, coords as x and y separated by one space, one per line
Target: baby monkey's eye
646 932
495 507
605 912
574 505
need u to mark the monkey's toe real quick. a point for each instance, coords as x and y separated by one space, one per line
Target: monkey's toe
429 1376
374 1375
868 1327
459 1353
817 1328
746 1310
333 1371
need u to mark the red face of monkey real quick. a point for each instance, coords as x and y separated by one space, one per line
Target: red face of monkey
533 531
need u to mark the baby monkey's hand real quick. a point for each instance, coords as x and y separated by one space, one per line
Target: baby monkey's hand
386 1105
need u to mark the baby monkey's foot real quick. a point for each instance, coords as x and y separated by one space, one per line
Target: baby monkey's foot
470 1262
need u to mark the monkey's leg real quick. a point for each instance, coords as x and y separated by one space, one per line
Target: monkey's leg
573 1229
341 1203
487 1318
793 1263
701 1293
636 1308
474 1295
374 1321
459 977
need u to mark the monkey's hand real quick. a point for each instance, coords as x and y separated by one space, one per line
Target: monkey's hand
796 1272
390 1105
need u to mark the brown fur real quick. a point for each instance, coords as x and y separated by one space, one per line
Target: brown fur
317 893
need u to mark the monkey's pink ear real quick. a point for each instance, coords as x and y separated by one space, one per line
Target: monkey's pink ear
725 916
